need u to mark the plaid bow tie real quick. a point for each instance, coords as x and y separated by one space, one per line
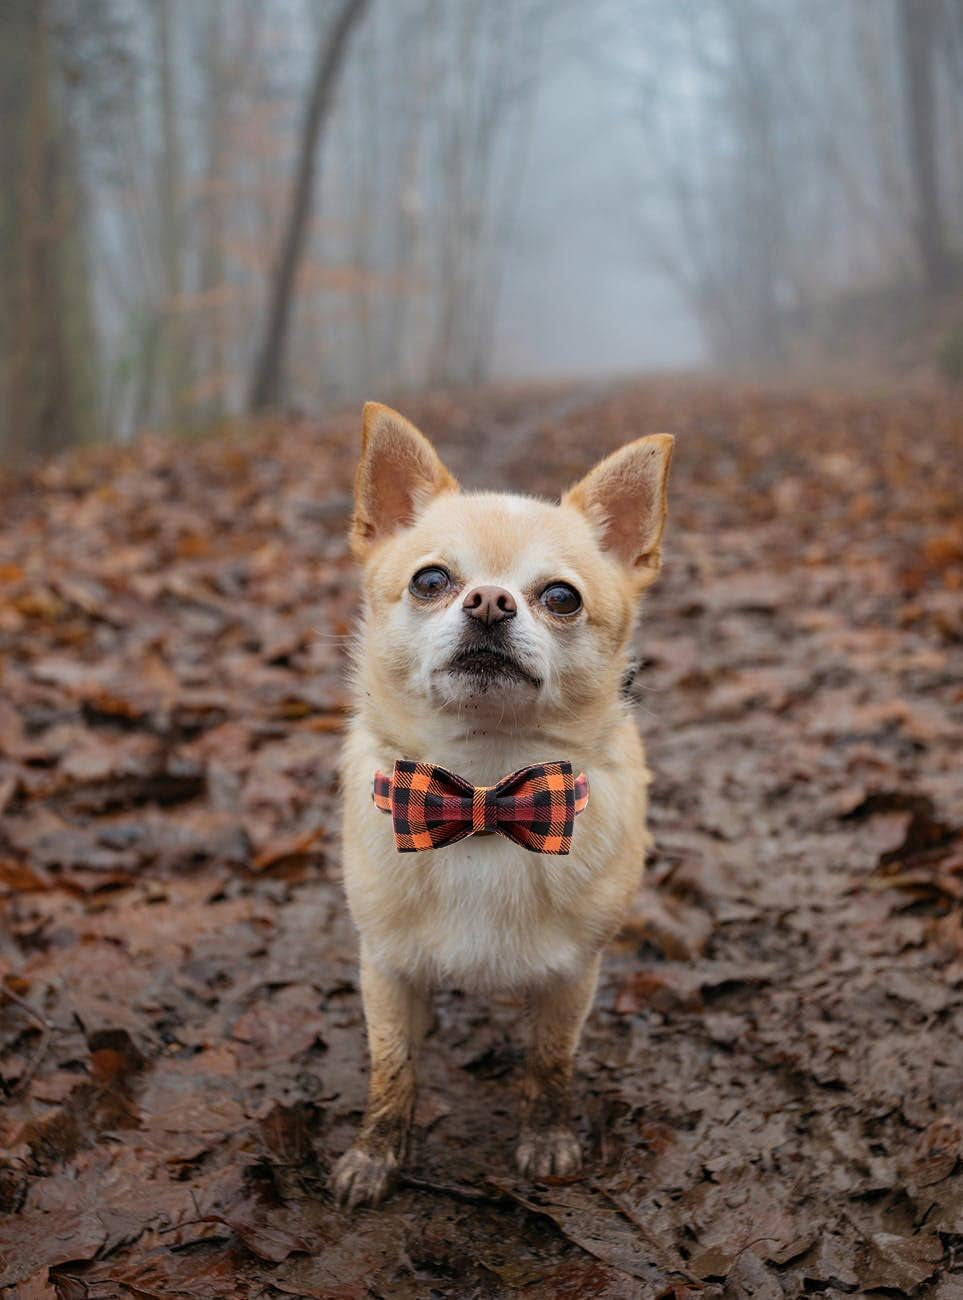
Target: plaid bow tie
430 806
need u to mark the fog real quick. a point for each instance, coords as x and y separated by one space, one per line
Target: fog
218 207
577 297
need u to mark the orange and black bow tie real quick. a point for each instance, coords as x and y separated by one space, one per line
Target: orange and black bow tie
430 806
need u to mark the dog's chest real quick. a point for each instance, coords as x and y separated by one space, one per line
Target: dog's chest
486 913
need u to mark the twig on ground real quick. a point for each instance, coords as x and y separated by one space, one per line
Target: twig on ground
46 1036
457 1190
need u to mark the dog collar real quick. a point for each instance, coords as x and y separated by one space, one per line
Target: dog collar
429 806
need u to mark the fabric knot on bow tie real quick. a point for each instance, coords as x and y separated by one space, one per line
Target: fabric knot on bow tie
429 806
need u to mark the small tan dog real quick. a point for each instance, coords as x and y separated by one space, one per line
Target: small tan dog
496 635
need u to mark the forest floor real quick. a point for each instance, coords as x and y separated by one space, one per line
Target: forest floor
770 1087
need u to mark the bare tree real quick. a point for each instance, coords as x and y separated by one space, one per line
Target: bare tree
170 202
717 173
48 340
919 21
790 166
487 73
269 366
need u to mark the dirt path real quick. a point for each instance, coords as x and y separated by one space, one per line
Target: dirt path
771 1085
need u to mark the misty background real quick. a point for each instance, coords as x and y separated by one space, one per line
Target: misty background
216 207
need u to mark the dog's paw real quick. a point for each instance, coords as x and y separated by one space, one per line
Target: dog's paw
363 1177
550 1151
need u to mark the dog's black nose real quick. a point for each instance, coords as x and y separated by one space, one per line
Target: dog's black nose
489 604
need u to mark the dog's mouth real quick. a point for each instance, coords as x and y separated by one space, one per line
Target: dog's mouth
488 665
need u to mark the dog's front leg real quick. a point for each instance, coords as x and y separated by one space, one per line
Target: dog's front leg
397 1016
547 1143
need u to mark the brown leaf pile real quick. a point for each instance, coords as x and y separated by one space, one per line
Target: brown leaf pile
771 1085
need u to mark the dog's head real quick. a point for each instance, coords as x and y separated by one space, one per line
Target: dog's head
499 602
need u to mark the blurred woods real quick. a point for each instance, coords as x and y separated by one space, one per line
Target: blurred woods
213 206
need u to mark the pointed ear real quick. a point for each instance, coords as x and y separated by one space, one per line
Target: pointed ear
398 474
624 497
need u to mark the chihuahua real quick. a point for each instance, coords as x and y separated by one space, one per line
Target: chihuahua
495 635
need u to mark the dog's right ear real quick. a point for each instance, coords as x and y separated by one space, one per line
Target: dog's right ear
398 474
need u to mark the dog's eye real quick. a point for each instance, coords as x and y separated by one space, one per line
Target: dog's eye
561 598
429 583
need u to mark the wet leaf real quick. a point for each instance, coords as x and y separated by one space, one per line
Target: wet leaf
899 1263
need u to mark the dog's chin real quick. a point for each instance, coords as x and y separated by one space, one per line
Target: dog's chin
484 670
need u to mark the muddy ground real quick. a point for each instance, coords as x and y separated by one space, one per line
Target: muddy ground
770 1086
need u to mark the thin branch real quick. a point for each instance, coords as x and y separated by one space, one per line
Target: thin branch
45 1040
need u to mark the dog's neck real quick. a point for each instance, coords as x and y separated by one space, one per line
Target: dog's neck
484 742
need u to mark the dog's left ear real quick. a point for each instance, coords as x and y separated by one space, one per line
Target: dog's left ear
624 496
398 474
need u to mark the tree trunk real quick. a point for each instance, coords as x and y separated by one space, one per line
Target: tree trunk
918 24
49 344
268 376
212 261
173 337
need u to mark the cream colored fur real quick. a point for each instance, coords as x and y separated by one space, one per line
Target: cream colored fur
486 914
